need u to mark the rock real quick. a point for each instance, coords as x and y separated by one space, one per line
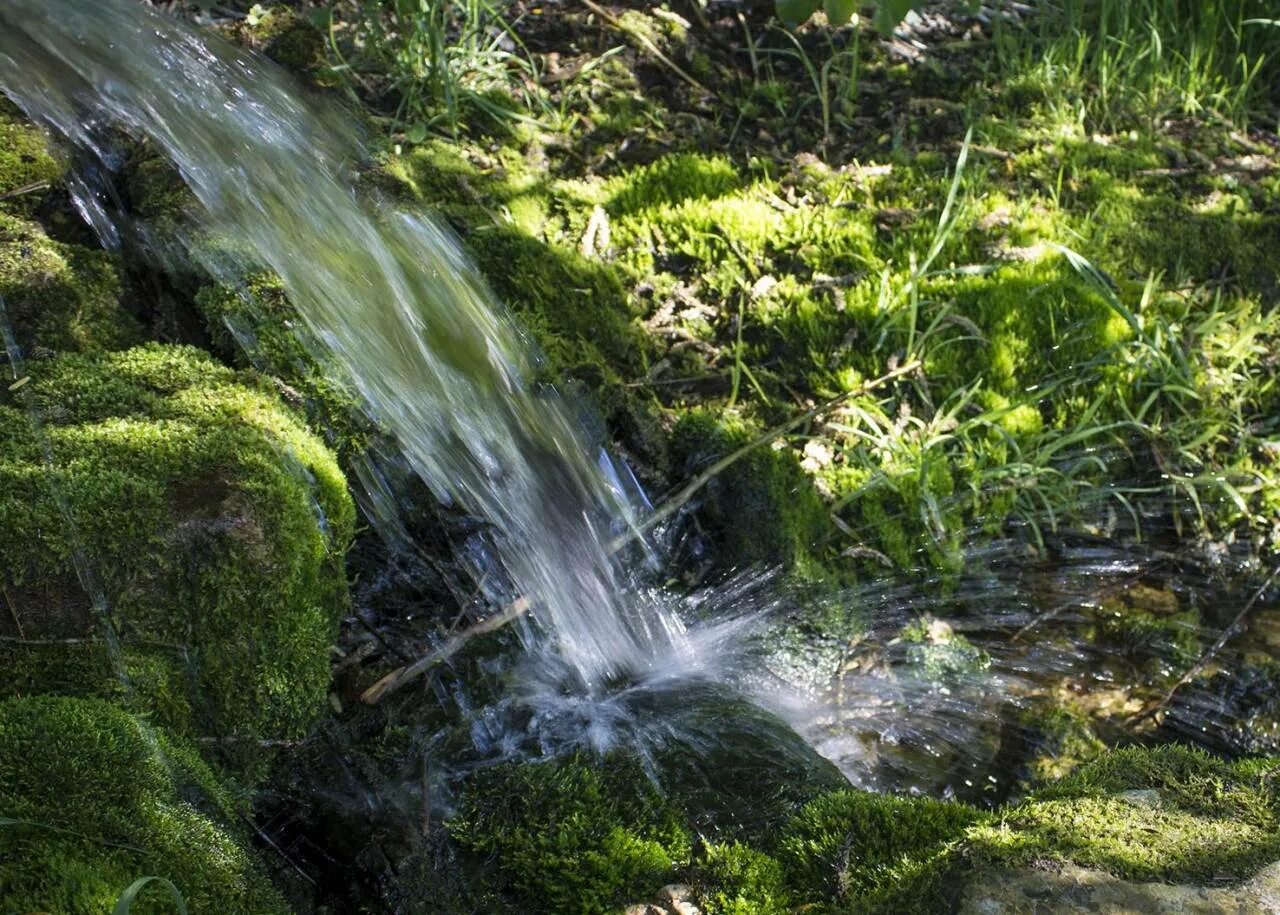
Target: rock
672 893
98 798
1073 889
181 502
645 908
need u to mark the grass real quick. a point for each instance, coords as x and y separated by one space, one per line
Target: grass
1077 362
1123 64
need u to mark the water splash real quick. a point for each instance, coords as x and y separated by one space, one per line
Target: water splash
436 360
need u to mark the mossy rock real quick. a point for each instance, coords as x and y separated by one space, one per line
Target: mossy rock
181 502
568 836
256 324
60 296
763 508
1170 813
873 851
94 799
25 162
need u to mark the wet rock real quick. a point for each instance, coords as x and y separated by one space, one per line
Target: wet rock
1234 711
1073 889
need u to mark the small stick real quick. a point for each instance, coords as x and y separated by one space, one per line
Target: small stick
13 611
1227 634
672 505
451 646
25 189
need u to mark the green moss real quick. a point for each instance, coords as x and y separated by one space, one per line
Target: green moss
937 651
867 849
763 508
289 39
1061 738
25 161
210 521
60 296
100 800
1169 813
568 837
1160 638
256 324
736 879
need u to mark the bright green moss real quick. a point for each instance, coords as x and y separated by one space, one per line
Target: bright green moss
1034 321
1169 813
102 800
672 180
60 296
569 837
866 849
212 524
763 508
25 161
736 879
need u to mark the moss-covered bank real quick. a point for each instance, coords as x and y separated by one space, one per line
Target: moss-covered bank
154 499
93 799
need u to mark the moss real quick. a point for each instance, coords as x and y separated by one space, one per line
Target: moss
736 879
291 40
763 509
100 800
1061 739
60 296
872 850
25 161
1165 641
208 525
569 837
1170 813
937 651
256 324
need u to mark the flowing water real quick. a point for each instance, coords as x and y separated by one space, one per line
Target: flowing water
437 361
440 365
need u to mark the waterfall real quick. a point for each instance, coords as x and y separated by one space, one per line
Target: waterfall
436 360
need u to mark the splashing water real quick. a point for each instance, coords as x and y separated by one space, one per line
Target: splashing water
436 360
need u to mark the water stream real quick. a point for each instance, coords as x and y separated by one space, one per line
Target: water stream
435 358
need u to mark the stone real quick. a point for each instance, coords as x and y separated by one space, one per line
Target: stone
1073 889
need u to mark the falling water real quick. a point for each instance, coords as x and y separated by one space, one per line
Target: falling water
437 361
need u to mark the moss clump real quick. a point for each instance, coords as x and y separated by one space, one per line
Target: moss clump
1061 738
568 837
169 496
1171 813
763 508
736 879
291 40
873 850
937 651
259 315
100 800
60 296
25 161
